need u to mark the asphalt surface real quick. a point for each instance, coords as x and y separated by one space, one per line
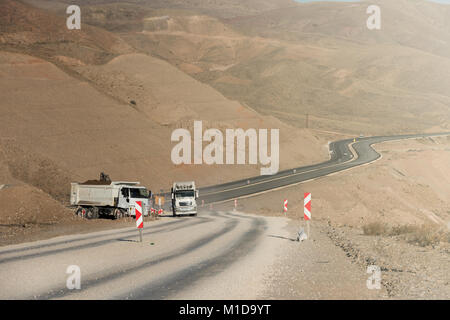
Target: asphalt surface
341 158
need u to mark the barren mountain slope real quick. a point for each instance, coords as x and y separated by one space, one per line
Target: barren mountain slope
83 131
289 59
219 8
419 24
173 99
318 59
40 33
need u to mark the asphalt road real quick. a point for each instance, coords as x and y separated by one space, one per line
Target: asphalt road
341 158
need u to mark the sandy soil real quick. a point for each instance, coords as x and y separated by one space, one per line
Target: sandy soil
316 269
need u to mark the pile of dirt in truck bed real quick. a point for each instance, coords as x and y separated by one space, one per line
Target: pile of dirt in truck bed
97 182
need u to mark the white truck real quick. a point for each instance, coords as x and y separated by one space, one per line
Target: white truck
112 198
184 198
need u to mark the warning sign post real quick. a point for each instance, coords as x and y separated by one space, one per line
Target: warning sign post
307 210
139 218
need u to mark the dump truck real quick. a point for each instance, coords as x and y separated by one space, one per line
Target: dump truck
184 196
95 198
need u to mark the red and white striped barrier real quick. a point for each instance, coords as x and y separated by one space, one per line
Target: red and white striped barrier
160 211
285 203
138 212
307 206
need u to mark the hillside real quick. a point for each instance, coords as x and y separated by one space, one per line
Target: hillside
217 8
318 59
290 60
35 31
419 24
90 132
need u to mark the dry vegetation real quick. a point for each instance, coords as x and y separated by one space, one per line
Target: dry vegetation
422 235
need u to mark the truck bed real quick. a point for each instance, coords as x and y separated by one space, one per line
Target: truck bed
93 195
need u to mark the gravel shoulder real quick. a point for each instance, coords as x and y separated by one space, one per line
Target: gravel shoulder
316 269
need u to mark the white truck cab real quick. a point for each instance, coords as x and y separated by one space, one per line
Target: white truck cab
129 195
184 198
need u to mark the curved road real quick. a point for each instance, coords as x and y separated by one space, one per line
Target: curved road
342 158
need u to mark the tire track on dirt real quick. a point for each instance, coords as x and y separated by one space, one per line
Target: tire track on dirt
104 242
163 288
88 237
102 278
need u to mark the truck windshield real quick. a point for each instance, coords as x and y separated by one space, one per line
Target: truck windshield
185 193
138 193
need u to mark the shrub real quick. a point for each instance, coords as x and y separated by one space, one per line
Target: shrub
375 229
421 235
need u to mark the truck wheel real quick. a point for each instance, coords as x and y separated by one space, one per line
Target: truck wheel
118 214
92 213
96 213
